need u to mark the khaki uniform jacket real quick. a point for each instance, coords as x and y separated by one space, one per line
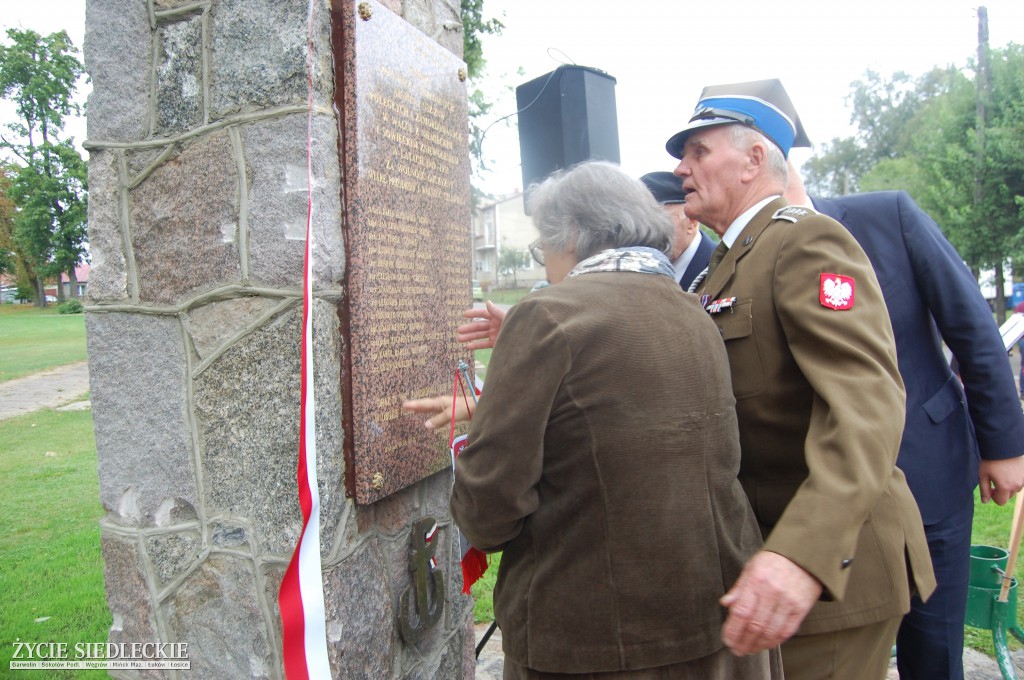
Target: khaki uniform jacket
603 459
821 409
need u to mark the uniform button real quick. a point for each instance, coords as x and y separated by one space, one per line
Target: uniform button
846 563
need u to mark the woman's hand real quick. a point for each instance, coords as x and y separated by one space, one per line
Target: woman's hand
482 332
440 410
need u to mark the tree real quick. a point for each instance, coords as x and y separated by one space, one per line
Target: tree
837 170
922 135
12 262
974 190
50 225
7 254
937 167
883 109
39 74
510 261
473 28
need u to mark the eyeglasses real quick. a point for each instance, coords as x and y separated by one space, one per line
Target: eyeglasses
537 251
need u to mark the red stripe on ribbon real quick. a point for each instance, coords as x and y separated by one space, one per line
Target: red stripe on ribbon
474 560
301 597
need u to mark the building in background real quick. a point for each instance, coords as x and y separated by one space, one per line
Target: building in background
9 286
500 225
1012 292
81 284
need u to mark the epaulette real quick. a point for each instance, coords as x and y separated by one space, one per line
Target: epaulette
793 213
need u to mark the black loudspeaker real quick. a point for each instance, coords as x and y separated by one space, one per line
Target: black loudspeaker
566 117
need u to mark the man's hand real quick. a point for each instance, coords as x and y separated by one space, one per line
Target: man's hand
767 603
1000 480
481 333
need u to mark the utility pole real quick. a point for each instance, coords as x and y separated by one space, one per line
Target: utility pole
984 93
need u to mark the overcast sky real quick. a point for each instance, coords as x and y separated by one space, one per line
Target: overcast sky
663 52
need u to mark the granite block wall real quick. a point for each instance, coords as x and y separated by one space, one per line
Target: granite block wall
197 134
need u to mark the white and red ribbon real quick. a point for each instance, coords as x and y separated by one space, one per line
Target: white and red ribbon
474 560
301 598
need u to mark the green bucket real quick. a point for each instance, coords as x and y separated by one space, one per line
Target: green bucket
988 564
986 580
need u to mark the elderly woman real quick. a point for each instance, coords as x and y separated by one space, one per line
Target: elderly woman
603 455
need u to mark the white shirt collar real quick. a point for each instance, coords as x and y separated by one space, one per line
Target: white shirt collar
683 261
733 232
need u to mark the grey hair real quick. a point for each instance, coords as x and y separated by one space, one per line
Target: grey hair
595 206
744 137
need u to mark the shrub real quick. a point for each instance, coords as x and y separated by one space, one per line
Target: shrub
70 307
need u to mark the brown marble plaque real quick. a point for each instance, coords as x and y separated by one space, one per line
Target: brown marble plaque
407 236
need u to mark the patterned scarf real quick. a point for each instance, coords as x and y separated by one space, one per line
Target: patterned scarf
638 259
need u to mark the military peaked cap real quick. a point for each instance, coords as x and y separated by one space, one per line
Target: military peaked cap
760 104
666 187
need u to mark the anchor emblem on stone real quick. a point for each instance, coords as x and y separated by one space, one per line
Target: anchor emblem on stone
428 582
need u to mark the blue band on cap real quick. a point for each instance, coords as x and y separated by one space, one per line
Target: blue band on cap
769 120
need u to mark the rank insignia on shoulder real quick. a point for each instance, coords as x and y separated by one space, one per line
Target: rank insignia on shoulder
837 291
792 213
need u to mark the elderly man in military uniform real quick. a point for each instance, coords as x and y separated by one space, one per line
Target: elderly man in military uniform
819 399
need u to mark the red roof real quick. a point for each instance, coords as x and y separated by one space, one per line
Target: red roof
81 274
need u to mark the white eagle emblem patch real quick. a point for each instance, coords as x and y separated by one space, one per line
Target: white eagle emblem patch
836 291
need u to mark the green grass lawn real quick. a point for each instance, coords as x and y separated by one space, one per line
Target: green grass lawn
506 296
483 590
51 571
35 339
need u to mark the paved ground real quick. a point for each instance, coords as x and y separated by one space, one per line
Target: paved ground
65 387
977 666
490 663
49 389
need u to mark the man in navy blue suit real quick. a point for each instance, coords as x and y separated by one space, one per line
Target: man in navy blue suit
950 443
691 250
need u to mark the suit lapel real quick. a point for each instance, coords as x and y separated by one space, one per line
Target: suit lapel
698 263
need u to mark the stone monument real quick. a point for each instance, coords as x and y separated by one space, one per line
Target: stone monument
201 121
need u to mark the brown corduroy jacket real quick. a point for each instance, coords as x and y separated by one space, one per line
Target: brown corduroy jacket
603 460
